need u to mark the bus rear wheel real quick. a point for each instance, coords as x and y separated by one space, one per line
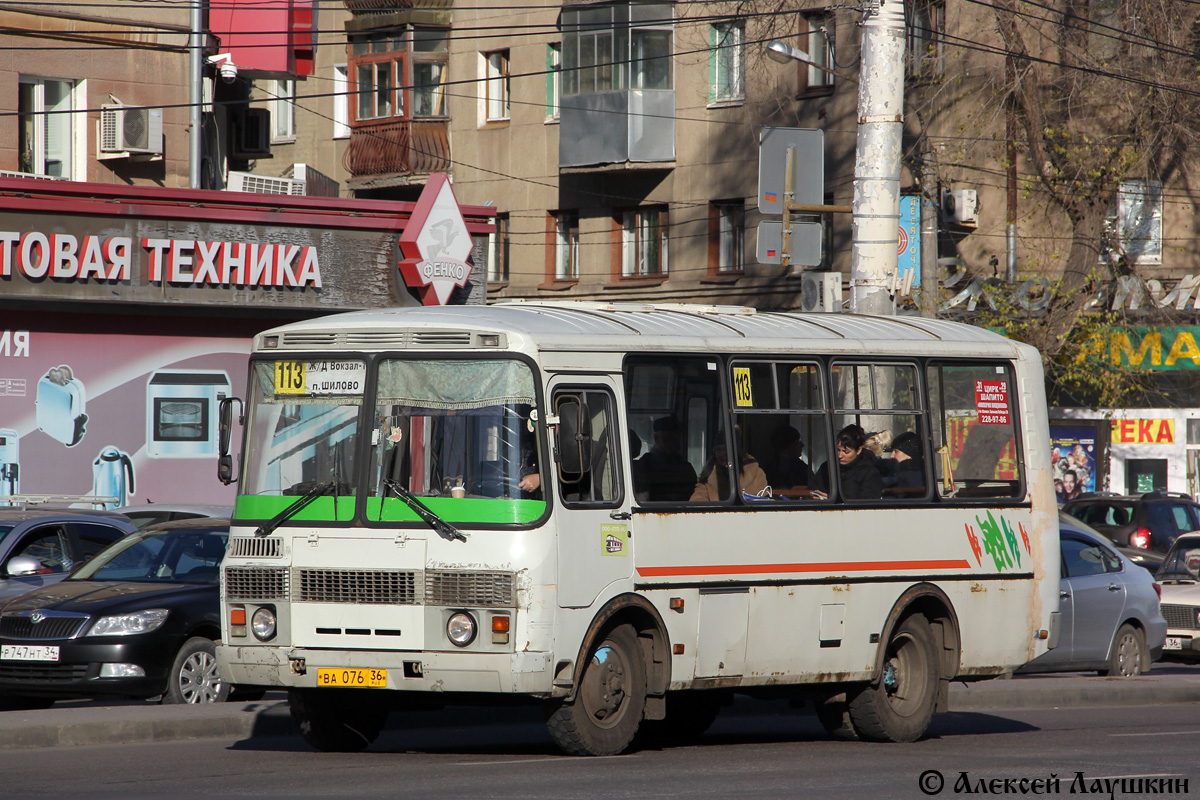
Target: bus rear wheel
607 709
337 721
899 707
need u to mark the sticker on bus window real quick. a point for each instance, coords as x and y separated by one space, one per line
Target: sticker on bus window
742 394
616 540
991 402
319 377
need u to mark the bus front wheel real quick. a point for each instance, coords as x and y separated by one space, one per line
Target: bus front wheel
337 721
899 707
607 708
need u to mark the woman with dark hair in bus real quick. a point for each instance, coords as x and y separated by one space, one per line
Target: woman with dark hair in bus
860 480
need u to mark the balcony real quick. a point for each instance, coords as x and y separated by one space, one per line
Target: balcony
387 148
616 127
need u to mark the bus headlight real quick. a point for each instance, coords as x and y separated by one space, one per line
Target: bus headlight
263 624
460 629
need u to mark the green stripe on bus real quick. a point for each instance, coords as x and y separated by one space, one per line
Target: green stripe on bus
465 510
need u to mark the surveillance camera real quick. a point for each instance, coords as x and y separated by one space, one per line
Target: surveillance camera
228 71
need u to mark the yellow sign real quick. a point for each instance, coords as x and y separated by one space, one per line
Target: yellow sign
289 377
374 678
741 386
1143 431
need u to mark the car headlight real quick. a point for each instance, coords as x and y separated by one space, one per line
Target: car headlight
263 624
129 624
460 629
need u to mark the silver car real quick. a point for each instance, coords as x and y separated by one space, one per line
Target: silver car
1108 606
1180 579
39 546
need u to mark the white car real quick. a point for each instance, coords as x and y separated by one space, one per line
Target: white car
1179 577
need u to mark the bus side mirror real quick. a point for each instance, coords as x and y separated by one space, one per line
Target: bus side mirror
574 438
224 437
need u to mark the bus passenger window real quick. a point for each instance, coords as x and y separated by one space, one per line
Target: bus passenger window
974 430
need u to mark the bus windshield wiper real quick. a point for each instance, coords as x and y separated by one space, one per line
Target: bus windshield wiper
316 491
443 528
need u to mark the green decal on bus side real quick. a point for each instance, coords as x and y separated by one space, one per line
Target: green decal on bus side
465 510
999 541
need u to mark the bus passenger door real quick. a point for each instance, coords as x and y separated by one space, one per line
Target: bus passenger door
593 521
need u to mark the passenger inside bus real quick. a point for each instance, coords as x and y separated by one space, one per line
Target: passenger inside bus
663 474
786 467
860 480
910 466
713 483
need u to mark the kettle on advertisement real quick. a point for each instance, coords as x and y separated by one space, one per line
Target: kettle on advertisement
112 476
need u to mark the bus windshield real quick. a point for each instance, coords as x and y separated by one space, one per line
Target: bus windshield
461 436
303 432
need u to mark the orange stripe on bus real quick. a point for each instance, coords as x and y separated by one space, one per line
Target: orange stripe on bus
833 566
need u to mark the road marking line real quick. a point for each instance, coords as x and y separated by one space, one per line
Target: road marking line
1156 733
538 760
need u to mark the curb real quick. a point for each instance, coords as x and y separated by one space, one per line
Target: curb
1049 692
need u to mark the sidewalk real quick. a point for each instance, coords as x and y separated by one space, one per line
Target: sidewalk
75 724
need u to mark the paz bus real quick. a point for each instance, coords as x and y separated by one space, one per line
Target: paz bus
628 513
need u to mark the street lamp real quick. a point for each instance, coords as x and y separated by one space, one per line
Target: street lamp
782 52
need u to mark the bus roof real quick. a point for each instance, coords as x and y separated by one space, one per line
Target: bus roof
579 325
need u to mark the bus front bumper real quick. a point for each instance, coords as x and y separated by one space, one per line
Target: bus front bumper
504 673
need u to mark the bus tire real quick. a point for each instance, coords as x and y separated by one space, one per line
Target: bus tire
336 721
899 706
606 711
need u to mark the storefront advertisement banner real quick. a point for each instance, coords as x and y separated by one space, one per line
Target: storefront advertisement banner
1073 456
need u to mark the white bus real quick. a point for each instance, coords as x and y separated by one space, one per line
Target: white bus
536 502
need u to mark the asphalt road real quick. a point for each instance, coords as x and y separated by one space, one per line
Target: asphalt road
759 750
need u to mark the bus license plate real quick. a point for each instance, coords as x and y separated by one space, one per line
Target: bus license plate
1173 643
373 678
27 652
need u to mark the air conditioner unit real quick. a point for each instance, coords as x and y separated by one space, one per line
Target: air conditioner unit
130 130
264 184
821 291
960 207
252 134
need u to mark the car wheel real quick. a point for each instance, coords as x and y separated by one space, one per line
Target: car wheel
1128 654
194 677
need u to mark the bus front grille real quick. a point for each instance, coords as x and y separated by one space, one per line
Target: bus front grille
391 587
256 583
473 588
256 547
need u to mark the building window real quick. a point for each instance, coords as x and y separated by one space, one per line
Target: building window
388 64
283 110
498 246
816 39
1133 229
46 133
727 234
925 35
617 46
430 53
496 86
644 242
341 108
727 64
553 78
566 246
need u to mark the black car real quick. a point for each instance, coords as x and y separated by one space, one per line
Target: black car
140 619
1149 521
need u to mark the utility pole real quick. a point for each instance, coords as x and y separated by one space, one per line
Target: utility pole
196 92
876 208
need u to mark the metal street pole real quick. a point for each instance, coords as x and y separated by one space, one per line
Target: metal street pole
876 208
196 93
